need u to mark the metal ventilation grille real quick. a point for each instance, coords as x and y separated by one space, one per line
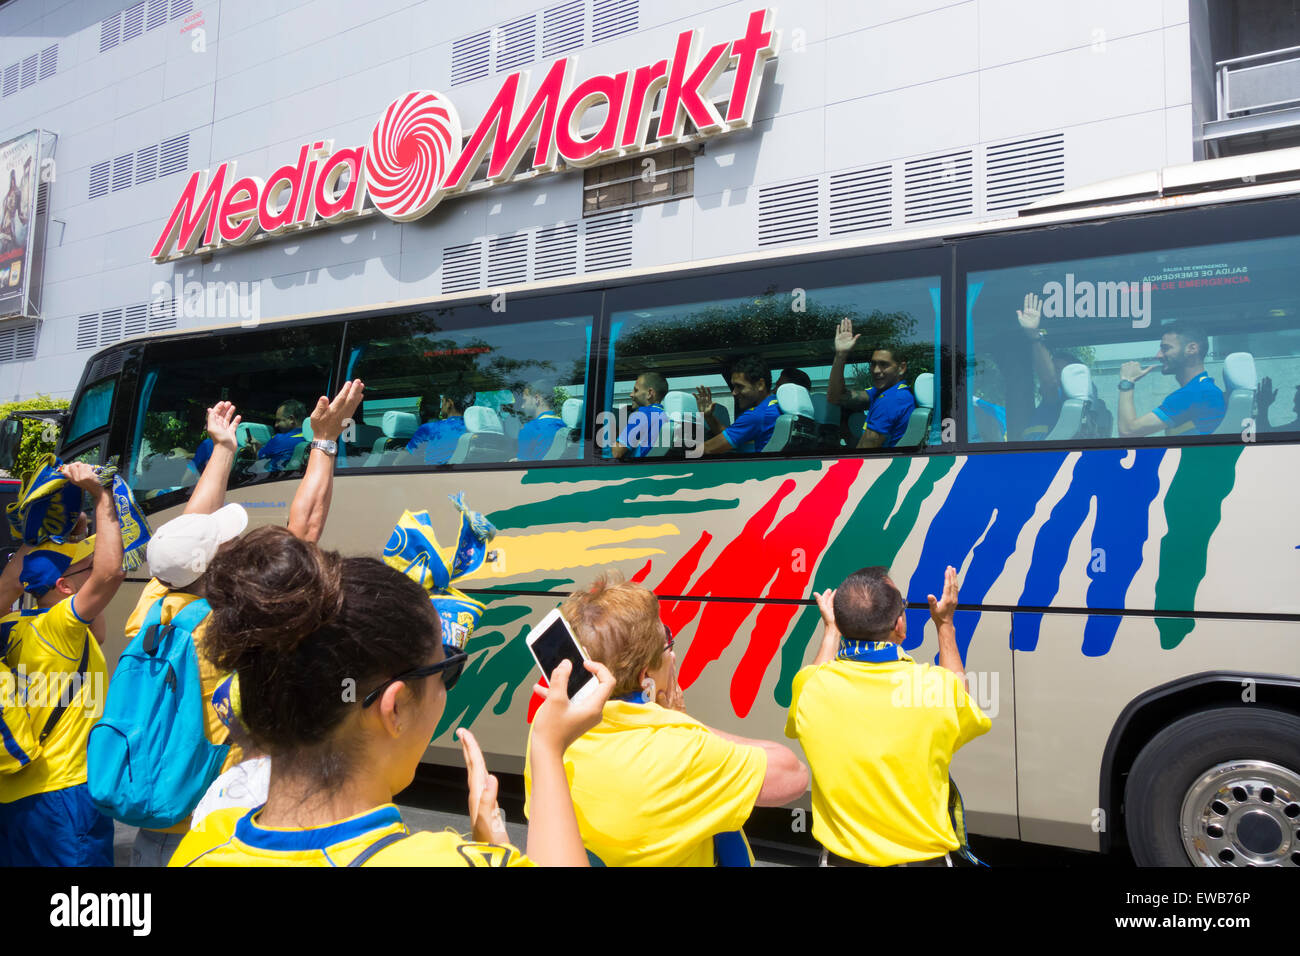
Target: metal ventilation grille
122 171
109 364
99 179
157 14
49 61
29 70
939 187
469 57
110 326
146 164
181 7
787 213
133 21
42 199
516 43
136 319
861 199
508 259
1017 173
174 155
18 344
110 32
562 28
607 242
88 330
610 18
462 267
162 314
556 253
11 79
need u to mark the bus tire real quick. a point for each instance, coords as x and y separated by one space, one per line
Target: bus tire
1217 788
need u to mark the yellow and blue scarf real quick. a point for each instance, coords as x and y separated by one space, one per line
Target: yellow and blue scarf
413 549
48 506
870 652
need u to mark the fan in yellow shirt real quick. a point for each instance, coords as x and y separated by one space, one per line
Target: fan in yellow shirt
653 786
880 730
296 624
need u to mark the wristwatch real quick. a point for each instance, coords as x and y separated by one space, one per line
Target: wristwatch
1125 385
328 447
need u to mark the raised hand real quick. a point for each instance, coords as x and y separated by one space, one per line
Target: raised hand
704 400
83 476
1265 396
826 604
844 337
943 608
328 419
559 721
485 817
1031 314
222 423
1132 371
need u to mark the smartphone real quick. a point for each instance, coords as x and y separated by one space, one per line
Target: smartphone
552 641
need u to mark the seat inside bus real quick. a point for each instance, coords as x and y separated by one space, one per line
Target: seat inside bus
568 440
484 439
795 428
1239 386
680 412
918 423
1076 384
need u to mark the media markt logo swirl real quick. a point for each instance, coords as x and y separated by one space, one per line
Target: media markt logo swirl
411 149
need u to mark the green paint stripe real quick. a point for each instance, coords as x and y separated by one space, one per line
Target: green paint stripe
1193 508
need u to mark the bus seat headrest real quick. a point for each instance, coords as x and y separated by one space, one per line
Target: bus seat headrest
923 390
795 400
483 420
399 424
1076 382
1239 371
572 412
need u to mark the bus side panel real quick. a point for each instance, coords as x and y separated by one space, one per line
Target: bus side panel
1067 703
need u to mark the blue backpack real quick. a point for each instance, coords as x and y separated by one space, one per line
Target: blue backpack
148 760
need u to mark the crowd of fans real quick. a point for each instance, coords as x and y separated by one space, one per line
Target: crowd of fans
307 773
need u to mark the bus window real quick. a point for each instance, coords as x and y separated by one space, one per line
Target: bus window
805 371
92 410
1195 341
273 377
460 387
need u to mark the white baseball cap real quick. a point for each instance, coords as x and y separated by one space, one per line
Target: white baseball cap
181 550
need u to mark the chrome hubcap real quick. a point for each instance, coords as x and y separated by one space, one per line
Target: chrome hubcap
1243 813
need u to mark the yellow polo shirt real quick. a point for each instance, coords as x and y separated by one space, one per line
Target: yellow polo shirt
209 677
233 837
652 786
879 738
45 649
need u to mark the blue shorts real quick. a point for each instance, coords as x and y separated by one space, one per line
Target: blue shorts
60 828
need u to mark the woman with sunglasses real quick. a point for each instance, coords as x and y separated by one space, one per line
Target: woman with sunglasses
343 677
652 785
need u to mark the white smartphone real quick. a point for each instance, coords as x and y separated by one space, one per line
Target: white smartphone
552 641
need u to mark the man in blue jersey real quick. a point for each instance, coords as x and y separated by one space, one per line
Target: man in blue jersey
439 438
646 420
756 410
537 405
288 434
888 402
1196 407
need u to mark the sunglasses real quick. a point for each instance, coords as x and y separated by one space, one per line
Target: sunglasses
668 637
450 667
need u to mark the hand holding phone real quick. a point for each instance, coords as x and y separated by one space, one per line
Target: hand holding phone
560 721
553 641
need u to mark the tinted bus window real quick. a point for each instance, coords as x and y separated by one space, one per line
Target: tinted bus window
92 410
469 386
273 377
874 388
1207 335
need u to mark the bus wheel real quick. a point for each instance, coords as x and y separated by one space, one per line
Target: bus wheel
1218 788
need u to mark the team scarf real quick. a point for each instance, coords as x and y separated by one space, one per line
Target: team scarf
870 652
413 549
48 506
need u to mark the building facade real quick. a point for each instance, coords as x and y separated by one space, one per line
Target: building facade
870 117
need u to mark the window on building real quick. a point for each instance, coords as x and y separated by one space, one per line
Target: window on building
640 181
459 387
1209 336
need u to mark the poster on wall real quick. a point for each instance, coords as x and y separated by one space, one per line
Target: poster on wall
20 169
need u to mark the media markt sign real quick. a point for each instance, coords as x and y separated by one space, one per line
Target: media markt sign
417 153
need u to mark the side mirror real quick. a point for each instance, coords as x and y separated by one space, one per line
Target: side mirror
11 439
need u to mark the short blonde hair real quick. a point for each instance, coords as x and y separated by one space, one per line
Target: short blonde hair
618 625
